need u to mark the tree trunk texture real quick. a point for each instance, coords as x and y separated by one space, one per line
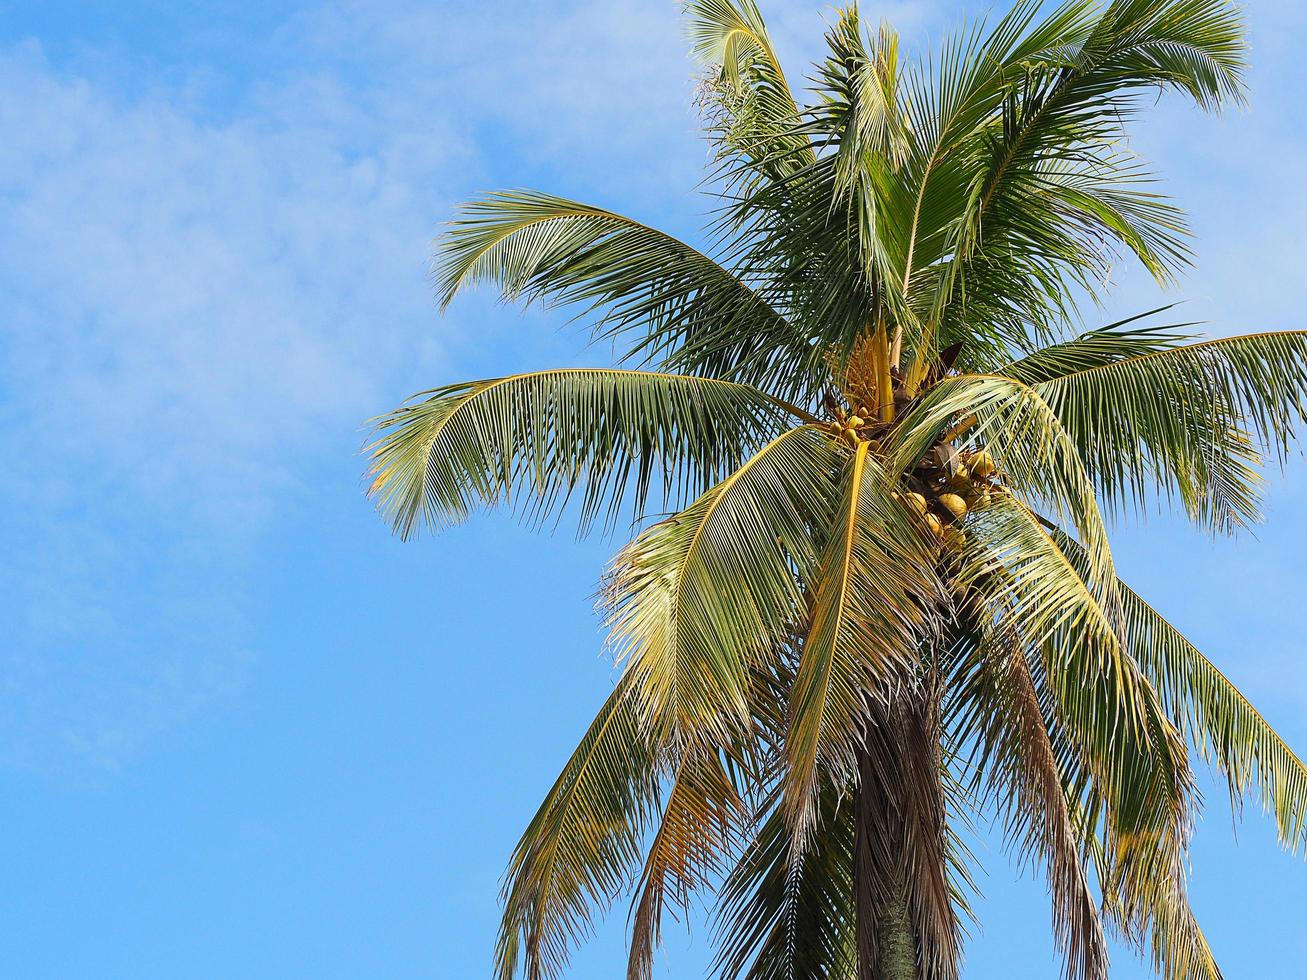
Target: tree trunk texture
898 946
886 943
905 929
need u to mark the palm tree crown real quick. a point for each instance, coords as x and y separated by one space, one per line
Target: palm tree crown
884 602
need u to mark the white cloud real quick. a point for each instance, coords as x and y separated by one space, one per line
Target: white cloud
192 310
209 279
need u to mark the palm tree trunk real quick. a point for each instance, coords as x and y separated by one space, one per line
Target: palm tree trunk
886 943
898 946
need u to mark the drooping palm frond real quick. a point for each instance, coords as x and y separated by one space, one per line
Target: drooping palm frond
702 823
689 643
549 433
583 845
875 601
1178 950
786 913
996 710
1157 920
1179 419
1214 716
669 302
1128 777
1110 712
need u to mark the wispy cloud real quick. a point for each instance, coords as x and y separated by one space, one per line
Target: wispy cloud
211 274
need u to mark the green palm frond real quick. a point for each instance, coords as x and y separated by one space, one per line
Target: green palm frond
548 433
1179 419
874 602
950 106
861 115
1214 716
689 643
863 107
1064 115
672 298
583 845
754 113
1031 592
787 913
1117 341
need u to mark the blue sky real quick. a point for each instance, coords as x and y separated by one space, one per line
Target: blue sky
246 733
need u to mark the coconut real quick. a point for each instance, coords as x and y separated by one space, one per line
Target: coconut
916 502
934 524
953 538
855 421
982 465
836 426
961 477
952 503
874 445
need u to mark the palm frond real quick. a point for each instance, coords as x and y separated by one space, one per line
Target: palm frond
690 643
1180 419
787 913
874 602
1214 716
582 846
1157 920
752 108
1033 229
951 108
635 280
1117 341
1031 592
701 824
996 710
548 433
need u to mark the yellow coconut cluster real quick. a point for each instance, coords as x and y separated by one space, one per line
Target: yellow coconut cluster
949 484
855 424
873 393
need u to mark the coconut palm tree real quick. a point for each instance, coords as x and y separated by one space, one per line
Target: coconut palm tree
884 603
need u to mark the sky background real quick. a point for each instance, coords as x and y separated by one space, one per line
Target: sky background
246 733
